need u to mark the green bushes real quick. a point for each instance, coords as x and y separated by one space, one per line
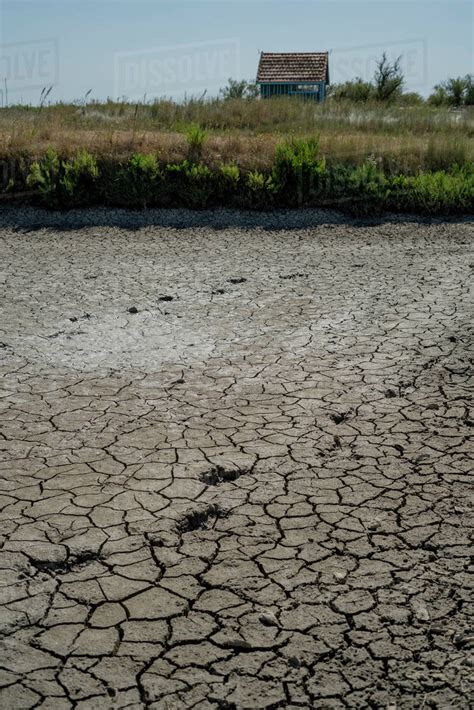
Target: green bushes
188 185
228 185
65 183
134 184
239 90
386 86
367 188
457 91
260 191
230 177
195 137
297 170
299 178
357 91
434 193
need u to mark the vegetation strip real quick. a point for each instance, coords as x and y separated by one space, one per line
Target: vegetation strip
377 148
299 177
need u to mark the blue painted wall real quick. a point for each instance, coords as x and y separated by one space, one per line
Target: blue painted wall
303 89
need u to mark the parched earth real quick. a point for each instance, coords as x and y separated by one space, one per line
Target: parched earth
235 463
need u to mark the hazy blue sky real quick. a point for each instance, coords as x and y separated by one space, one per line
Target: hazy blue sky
125 47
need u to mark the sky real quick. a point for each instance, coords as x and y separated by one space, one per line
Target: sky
141 49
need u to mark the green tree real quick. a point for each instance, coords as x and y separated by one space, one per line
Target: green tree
387 84
411 98
357 90
439 97
388 79
239 90
456 91
469 93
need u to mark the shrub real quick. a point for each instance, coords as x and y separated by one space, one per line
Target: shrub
362 189
433 192
260 190
79 179
469 91
458 91
367 179
440 192
189 185
386 85
230 173
439 97
44 177
228 185
239 90
334 181
411 98
14 170
143 175
64 183
357 90
135 183
195 137
297 169
298 178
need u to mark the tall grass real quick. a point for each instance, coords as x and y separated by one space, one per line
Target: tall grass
279 114
405 138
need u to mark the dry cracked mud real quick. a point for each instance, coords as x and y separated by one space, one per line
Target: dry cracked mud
235 464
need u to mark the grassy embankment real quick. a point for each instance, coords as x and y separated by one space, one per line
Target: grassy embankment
254 154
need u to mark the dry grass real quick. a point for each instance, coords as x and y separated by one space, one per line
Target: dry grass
405 139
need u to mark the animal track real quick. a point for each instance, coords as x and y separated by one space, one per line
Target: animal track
71 564
220 475
294 276
201 519
339 417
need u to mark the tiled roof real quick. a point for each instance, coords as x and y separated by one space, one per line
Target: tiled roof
292 66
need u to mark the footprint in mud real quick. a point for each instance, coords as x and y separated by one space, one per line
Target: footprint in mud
339 417
201 519
74 319
71 564
294 276
220 475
